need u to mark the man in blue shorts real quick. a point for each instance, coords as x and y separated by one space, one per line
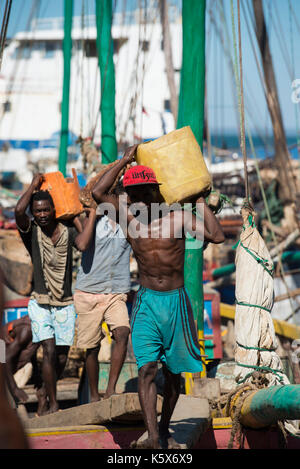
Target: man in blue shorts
162 321
51 310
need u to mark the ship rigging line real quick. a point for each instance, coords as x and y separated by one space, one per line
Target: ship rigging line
240 93
136 90
239 76
143 68
243 139
225 41
34 12
3 33
294 74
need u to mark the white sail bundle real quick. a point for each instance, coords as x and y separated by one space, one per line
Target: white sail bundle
256 342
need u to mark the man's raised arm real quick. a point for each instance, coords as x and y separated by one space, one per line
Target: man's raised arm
84 237
213 232
205 226
104 184
22 219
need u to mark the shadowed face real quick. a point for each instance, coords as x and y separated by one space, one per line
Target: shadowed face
43 212
146 194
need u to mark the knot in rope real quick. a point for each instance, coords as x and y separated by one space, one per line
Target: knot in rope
235 402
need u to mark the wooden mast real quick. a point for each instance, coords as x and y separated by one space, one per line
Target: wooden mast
282 157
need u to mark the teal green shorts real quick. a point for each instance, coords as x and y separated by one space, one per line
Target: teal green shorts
163 328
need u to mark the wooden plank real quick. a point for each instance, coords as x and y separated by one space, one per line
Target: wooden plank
120 407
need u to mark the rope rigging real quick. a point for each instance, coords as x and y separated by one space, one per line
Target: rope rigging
14 75
240 93
143 67
294 75
134 88
240 89
226 42
3 33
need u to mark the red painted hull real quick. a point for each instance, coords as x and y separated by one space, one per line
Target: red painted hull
251 439
122 437
94 439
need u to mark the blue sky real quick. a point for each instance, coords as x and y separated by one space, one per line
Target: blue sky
283 21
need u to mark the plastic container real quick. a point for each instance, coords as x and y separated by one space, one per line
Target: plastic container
64 192
177 160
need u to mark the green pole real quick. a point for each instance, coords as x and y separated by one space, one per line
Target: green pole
191 112
67 52
107 73
268 406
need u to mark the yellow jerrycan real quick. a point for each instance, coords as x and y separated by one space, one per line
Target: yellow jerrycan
178 163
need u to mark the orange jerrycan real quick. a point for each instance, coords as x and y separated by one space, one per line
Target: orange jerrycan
64 192
178 163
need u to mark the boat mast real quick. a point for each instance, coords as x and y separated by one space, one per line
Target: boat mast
282 157
107 72
191 112
67 52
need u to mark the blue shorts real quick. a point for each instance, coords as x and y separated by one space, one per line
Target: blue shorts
163 328
48 322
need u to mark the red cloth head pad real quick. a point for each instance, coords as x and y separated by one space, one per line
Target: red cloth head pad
139 175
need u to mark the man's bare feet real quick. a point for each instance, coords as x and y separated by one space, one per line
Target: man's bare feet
43 405
53 408
145 444
98 397
108 394
95 398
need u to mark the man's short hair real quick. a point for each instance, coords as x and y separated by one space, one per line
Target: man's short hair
41 195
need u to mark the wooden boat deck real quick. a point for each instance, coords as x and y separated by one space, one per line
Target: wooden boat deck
99 424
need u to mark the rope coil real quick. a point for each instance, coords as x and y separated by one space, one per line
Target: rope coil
234 405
